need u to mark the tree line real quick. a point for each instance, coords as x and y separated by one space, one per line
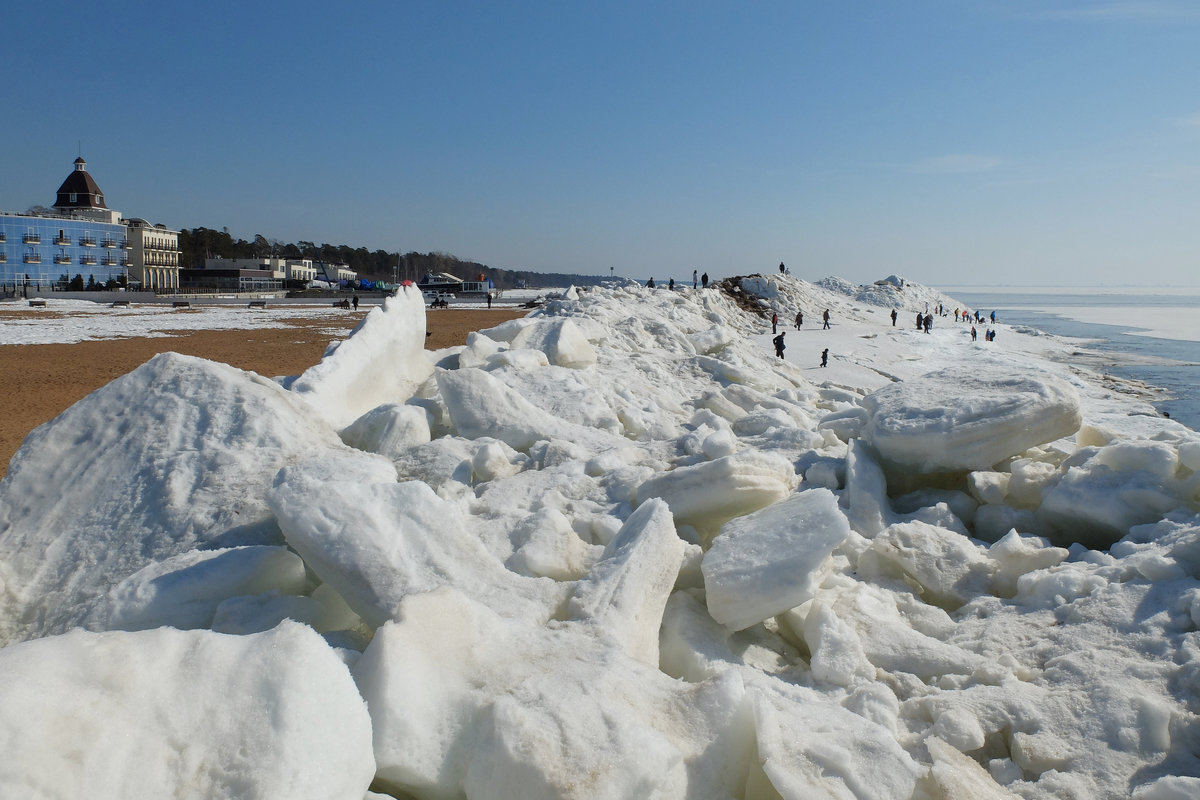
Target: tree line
198 244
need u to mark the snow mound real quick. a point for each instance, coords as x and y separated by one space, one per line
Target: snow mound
176 455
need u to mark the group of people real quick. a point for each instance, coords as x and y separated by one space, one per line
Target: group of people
975 317
778 341
780 346
702 279
924 323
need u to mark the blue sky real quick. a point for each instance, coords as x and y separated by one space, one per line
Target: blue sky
967 142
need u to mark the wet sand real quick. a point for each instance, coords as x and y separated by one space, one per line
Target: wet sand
40 381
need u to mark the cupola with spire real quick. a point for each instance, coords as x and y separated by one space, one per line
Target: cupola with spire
79 191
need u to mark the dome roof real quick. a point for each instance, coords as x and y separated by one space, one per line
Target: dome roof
79 190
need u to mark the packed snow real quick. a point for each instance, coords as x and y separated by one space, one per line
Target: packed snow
615 549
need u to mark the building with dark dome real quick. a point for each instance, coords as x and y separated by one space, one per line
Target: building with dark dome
80 237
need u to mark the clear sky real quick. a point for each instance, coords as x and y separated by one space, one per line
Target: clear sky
1035 142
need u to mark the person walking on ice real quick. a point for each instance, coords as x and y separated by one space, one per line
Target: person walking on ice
774 322
826 318
825 357
778 342
894 315
799 320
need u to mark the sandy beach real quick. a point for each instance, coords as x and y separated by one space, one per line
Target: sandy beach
43 380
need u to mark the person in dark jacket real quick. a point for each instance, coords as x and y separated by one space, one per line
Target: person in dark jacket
778 342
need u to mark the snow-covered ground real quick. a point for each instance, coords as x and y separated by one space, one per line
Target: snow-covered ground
616 549
67 321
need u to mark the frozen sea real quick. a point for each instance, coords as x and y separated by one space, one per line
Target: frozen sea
1150 335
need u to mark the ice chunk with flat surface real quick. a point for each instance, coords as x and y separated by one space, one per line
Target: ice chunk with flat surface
949 567
764 563
480 404
1097 505
466 703
389 429
810 748
383 361
377 541
564 344
709 494
184 591
182 714
626 591
962 420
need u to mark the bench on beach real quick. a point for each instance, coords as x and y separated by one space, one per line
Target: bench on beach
257 304
120 303
37 303
341 303
181 304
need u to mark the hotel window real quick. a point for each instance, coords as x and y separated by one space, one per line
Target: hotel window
73 198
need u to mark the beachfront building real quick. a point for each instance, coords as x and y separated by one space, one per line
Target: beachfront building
153 255
80 236
224 275
293 270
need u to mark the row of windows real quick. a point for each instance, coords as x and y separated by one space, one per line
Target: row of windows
33 257
62 239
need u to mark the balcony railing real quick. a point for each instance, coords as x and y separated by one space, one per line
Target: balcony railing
62 241
3 236
3 257
110 243
125 245
32 258
32 238
108 261
89 260
87 241
62 259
